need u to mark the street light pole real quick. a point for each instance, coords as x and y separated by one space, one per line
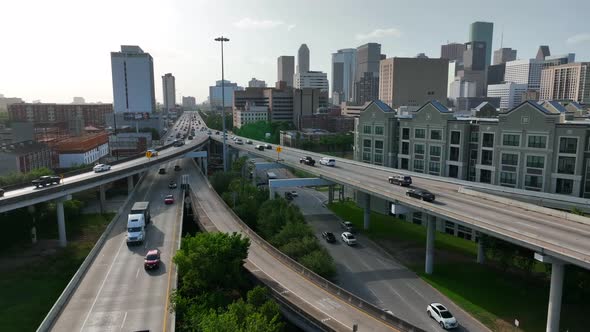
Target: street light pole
223 39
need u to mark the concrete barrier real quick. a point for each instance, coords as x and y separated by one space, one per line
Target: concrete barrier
75 281
526 206
319 281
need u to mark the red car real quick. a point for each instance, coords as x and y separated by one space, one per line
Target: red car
169 199
152 260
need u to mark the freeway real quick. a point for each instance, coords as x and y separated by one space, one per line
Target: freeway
555 236
116 293
336 313
368 272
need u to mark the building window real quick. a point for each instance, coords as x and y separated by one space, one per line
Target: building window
485 176
450 227
508 178
510 159
405 133
536 141
419 133
378 159
379 145
487 156
566 165
511 140
535 161
568 145
524 120
418 148
454 155
367 129
367 145
378 130
533 181
405 147
564 186
474 137
453 171
435 151
488 140
405 163
436 134
455 137
366 156
419 166
434 168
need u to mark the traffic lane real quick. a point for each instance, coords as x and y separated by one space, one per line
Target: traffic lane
322 301
369 273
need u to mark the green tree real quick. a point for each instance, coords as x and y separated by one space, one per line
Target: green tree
291 231
320 262
274 214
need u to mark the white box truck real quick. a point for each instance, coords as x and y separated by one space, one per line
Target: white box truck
135 228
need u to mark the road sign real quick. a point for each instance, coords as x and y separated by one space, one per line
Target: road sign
279 149
148 154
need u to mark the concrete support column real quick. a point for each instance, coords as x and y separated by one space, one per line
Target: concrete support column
330 194
430 234
61 223
129 184
555 292
102 198
271 193
481 256
367 211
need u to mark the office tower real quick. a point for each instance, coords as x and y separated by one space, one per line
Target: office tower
543 52
461 89
483 32
366 85
474 56
286 69
556 60
312 80
503 55
343 71
452 51
189 102
254 83
510 93
169 91
215 93
302 59
412 81
566 82
524 72
133 80
496 73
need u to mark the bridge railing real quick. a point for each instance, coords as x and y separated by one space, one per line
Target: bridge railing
319 281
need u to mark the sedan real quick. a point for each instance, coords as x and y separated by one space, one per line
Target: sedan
329 237
152 260
172 185
101 168
348 238
422 194
442 316
169 199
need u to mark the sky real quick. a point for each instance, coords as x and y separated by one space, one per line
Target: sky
55 50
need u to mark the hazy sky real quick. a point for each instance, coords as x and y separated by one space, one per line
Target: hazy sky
54 50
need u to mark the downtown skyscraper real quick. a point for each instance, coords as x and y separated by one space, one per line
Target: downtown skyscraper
343 71
133 80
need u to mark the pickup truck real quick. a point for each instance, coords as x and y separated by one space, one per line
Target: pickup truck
307 160
46 180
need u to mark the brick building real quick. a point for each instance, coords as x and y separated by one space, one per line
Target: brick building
24 157
60 115
83 150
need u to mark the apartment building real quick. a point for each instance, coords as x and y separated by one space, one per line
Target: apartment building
250 113
566 82
532 146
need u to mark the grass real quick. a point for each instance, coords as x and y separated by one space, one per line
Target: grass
493 297
29 292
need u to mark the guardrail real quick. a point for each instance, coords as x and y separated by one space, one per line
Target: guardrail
75 281
319 281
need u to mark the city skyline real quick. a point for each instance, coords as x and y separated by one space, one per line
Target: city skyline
193 56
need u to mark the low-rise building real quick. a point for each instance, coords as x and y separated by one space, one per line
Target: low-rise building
249 113
352 109
129 144
23 157
64 115
83 150
328 122
375 130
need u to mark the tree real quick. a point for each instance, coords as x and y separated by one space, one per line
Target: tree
274 214
211 262
291 231
320 262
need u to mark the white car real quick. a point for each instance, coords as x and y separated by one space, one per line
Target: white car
442 316
101 168
348 238
239 141
248 141
327 161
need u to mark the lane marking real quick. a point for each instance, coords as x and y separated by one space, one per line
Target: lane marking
137 273
124 318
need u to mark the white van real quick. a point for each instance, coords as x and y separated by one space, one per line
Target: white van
135 228
328 161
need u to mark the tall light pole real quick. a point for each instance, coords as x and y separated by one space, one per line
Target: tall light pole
223 39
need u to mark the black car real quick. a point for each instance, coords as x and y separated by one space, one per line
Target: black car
162 171
177 168
288 196
1 192
329 237
422 194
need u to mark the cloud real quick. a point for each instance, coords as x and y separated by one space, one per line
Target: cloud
290 27
379 33
252 24
579 38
